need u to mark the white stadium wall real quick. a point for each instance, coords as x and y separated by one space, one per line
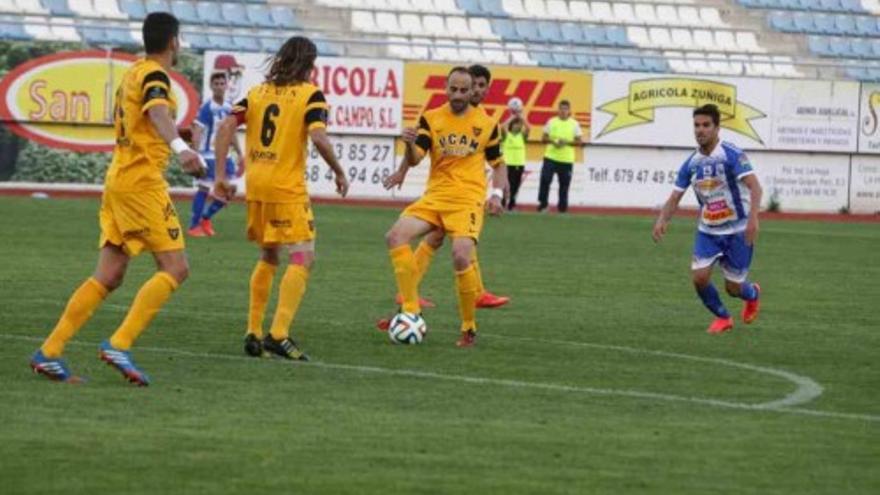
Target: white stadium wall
815 144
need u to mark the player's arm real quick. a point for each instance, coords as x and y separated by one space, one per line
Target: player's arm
417 141
499 172
197 131
399 175
316 123
222 141
755 193
156 102
190 161
238 152
666 213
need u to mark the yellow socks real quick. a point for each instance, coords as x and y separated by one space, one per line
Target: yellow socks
148 301
290 294
407 274
261 287
424 255
84 301
466 285
477 273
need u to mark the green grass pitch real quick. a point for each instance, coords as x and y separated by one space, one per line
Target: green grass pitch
597 378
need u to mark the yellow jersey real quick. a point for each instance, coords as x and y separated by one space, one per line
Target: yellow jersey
140 155
278 120
459 146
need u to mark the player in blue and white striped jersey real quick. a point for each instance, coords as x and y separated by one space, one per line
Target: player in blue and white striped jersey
729 195
210 115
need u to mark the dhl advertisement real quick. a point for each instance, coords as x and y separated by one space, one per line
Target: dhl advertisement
65 100
540 90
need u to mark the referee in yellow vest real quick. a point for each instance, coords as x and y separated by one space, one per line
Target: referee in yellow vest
562 135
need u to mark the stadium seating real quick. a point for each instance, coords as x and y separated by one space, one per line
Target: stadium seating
643 35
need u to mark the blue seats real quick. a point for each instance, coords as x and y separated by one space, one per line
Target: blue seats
209 13
543 58
198 41
13 31
59 8
594 35
235 14
157 6
94 35
270 44
845 24
120 37
803 23
824 24
284 17
867 26
328 49
611 62
571 33
563 59
854 6
782 21
819 46
839 47
492 8
220 41
505 28
134 8
617 36
186 12
550 31
259 16
527 30
246 43
655 64
469 6
861 48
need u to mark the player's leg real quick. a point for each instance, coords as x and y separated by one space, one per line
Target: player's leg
217 204
112 263
172 270
153 212
424 254
707 250
301 256
403 259
735 265
260 290
547 170
199 200
564 171
466 288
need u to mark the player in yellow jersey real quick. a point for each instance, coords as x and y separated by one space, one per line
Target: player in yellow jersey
136 211
434 240
281 115
460 139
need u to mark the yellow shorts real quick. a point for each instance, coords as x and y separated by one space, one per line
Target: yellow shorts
280 223
456 219
140 221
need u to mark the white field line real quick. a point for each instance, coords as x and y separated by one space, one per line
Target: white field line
494 381
806 389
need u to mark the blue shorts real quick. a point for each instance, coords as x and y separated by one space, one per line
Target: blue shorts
731 251
208 180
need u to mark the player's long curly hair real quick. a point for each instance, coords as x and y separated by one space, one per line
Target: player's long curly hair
293 63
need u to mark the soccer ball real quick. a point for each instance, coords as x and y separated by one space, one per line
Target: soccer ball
515 104
407 328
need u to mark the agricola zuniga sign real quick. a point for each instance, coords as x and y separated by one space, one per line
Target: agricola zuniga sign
65 100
